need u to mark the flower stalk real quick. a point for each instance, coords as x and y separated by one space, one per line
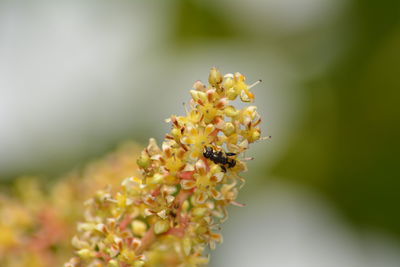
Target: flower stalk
172 213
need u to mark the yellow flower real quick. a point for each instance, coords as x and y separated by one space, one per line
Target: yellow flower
37 225
198 137
181 199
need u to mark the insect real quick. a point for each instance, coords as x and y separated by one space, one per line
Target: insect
219 157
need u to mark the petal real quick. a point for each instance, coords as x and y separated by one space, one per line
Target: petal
201 197
199 86
136 243
209 129
188 184
222 103
216 194
211 94
194 94
192 131
201 167
216 237
187 140
162 214
202 96
194 155
219 176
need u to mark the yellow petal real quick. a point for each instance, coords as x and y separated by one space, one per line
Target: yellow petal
188 184
209 129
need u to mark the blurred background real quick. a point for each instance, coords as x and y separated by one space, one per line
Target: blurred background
79 77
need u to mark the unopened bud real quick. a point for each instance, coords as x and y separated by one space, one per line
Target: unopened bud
199 86
231 93
143 161
199 211
228 82
161 227
155 179
113 263
230 111
255 135
85 253
228 128
187 246
138 228
215 77
176 133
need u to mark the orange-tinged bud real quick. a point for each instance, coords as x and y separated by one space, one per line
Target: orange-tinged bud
215 77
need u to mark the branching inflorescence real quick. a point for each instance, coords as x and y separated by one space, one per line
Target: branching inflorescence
170 215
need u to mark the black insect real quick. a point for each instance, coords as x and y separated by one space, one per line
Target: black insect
219 157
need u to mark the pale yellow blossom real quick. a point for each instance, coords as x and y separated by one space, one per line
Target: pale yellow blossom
172 213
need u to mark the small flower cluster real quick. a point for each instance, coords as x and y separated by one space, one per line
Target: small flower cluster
38 220
170 215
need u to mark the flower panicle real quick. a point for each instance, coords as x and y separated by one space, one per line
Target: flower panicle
172 213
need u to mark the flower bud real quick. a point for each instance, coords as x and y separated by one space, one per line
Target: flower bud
155 179
231 93
255 135
101 228
187 246
143 161
228 82
162 214
199 86
85 253
76 243
161 227
138 228
153 148
228 128
199 211
113 263
230 111
176 133
215 77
